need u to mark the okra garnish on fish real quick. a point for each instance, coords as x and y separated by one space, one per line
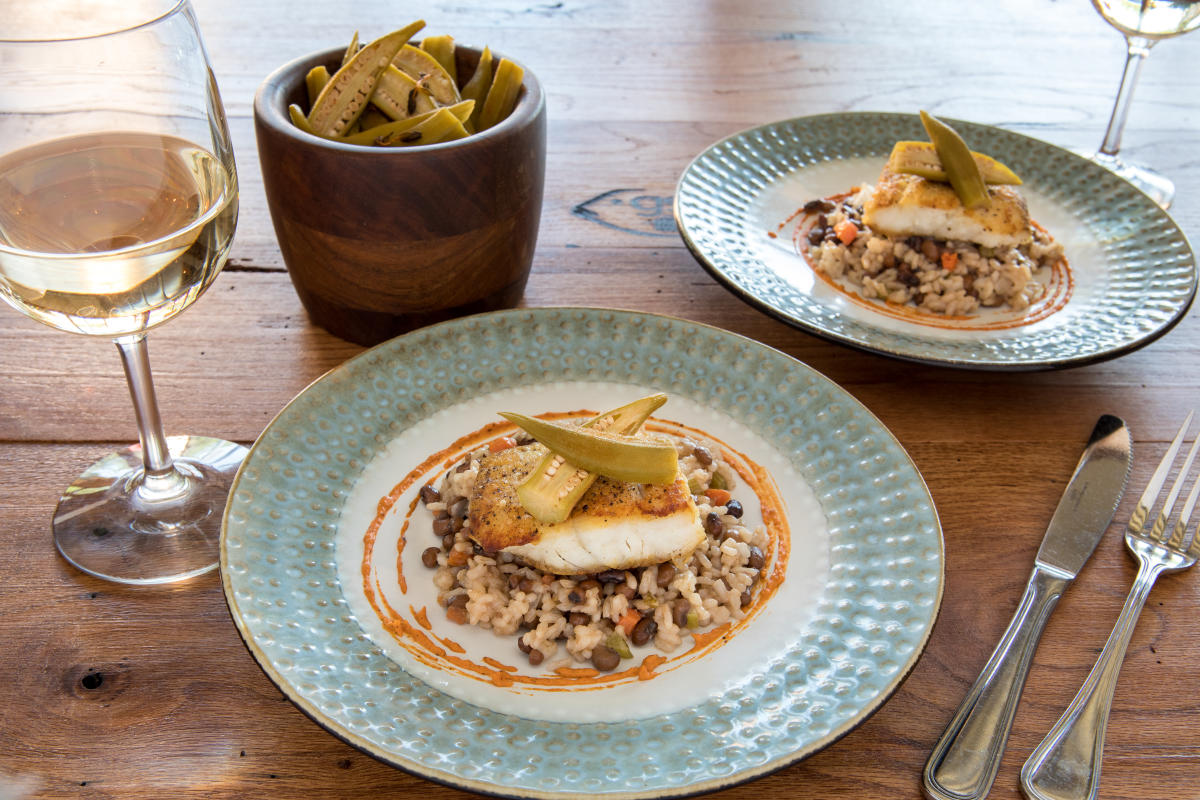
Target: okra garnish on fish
959 163
615 455
555 485
921 159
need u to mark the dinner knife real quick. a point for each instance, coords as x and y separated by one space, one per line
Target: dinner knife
964 762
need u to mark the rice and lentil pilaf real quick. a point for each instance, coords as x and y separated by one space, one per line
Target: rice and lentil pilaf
564 619
951 278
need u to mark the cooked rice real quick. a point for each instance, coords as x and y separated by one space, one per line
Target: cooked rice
510 598
910 270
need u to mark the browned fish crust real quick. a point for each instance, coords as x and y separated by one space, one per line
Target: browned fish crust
498 520
1006 216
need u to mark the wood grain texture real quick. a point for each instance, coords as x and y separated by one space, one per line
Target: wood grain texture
145 694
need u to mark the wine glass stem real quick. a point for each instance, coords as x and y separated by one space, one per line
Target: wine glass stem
161 480
1137 50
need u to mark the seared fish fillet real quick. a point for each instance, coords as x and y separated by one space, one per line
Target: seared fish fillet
615 525
909 205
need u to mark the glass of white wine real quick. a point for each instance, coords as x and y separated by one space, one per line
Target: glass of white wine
118 201
1144 23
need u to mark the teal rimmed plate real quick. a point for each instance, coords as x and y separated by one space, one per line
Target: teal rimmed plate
862 573
1132 271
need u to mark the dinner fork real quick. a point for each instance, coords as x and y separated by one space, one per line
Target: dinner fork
1066 765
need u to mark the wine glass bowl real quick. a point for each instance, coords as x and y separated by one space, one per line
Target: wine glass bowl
118 203
1143 23
1150 19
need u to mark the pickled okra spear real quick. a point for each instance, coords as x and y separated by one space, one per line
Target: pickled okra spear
921 158
614 455
299 120
441 125
555 485
425 69
502 95
388 132
348 91
399 96
958 162
314 82
442 48
351 49
476 88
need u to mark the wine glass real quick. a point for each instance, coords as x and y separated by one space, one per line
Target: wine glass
118 201
1144 23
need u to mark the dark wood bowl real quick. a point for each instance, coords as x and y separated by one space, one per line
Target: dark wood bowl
381 240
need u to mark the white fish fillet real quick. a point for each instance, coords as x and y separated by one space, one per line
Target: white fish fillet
615 525
909 205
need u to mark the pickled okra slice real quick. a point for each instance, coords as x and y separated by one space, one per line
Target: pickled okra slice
502 95
442 49
425 69
314 82
372 118
961 169
399 96
441 125
921 158
348 91
299 120
351 49
385 131
476 88
614 455
556 485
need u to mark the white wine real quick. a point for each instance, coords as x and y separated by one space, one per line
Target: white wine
1150 19
112 233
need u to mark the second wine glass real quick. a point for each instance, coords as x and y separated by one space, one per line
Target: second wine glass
1144 23
118 203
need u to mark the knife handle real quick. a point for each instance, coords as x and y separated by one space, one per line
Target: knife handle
964 762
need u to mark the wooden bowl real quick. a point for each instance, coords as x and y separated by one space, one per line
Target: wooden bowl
381 240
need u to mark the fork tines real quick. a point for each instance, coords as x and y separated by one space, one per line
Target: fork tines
1140 515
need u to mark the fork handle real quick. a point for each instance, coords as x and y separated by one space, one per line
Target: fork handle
1066 765
964 762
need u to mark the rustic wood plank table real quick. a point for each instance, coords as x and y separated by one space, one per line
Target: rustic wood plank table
635 90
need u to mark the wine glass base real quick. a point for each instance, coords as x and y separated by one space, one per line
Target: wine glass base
108 526
1160 189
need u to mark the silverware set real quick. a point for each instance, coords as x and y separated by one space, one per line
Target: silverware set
1066 765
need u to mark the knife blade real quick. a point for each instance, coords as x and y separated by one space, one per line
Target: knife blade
1090 500
965 759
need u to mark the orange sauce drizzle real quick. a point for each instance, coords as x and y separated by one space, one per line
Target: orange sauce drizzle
1058 289
577 672
649 664
422 617
442 653
708 637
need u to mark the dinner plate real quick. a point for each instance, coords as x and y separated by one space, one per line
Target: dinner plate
323 527
1132 273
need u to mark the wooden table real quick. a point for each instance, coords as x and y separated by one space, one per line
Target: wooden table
635 91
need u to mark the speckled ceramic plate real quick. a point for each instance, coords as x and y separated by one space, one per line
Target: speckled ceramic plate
1133 272
860 564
